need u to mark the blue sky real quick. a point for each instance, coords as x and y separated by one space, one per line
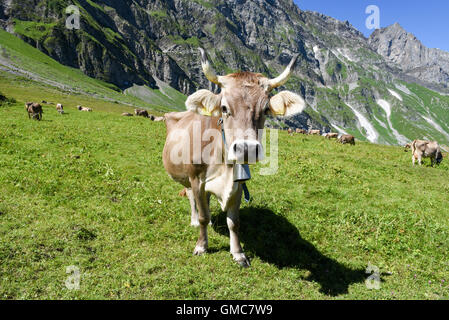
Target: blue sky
428 20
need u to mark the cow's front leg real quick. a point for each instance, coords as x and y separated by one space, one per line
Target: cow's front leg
194 219
201 200
233 220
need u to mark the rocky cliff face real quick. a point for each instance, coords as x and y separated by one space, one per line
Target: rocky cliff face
406 52
349 83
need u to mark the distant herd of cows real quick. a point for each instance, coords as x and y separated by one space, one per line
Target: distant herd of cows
420 148
343 139
35 111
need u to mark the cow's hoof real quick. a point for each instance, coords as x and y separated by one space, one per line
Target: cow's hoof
199 251
244 263
242 260
195 223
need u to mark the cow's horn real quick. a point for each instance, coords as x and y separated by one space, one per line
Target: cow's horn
208 70
283 78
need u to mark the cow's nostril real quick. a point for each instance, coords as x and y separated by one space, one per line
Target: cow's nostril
235 147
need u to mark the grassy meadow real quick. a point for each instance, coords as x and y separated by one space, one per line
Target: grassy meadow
89 190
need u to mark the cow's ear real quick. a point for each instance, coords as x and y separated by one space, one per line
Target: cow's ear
286 104
204 102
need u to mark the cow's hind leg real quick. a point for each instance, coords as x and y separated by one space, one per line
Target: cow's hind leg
233 221
200 197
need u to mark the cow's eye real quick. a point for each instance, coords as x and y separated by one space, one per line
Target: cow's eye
224 109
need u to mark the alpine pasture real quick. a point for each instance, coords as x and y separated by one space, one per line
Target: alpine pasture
89 190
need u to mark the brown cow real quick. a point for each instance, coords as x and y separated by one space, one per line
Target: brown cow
34 110
332 136
290 131
141 113
347 138
426 149
242 105
301 131
314 132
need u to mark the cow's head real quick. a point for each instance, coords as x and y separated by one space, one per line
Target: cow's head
244 103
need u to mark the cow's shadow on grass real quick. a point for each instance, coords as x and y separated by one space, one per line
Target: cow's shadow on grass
275 240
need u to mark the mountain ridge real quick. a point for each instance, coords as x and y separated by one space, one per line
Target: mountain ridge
405 50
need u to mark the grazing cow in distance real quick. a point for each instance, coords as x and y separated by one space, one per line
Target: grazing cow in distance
34 110
332 136
60 108
315 132
426 149
301 131
81 108
141 113
290 131
159 119
127 114
347 138
229 126
408 146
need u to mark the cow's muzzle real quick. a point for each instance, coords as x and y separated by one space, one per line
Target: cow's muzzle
246 152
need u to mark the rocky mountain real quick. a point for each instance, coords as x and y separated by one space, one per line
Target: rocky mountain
349 83
406 52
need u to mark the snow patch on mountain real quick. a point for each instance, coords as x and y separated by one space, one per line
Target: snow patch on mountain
387 108
340 130
395 94
403 89
371 133
436 126
380 122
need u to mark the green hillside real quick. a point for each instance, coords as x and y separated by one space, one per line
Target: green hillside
89 190
27 64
